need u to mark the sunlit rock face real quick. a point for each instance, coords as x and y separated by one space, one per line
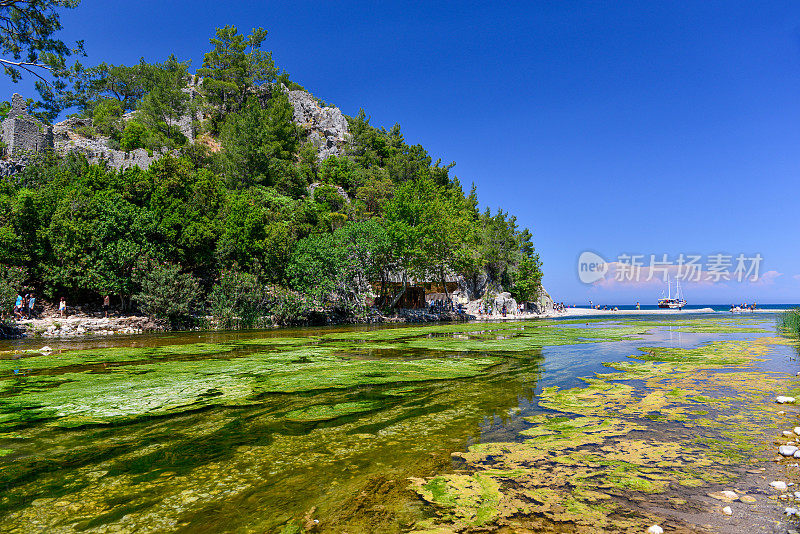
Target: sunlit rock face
327 126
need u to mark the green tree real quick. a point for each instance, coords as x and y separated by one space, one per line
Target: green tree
11 278
337 269
431 229
167 292
257 233
234 66
107 118
28 42
125 84
257 141
527 279
167 101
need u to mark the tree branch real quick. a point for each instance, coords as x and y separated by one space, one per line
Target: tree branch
26 66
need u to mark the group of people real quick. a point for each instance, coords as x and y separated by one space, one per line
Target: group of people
606 308
743 307
24 307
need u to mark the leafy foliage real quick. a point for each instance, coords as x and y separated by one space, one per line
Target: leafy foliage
28 42
11 278
167 292
234 66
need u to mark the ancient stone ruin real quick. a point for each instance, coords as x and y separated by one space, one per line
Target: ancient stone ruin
23 134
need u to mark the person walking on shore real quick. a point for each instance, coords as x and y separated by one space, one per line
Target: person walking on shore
62 307
18 307
106 304
31 304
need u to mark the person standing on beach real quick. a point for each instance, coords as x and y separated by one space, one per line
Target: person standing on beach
18 306
31 304
62 307
106 304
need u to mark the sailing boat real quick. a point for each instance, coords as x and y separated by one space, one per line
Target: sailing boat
673 303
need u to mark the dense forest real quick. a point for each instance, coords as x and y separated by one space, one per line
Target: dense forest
226 223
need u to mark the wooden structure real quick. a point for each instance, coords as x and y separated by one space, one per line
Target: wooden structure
416 289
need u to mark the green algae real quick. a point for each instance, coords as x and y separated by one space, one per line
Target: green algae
252 469
56 360
469 500
170 387
324 412
600 437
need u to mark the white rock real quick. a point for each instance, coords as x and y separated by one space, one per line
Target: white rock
780 399
727 510
790 511
778 485
797 494
788 433
797 430
45 349
655 529
796 453
787 450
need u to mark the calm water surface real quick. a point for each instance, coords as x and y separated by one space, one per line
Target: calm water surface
255 469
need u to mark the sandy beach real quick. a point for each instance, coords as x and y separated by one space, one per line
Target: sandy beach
589 312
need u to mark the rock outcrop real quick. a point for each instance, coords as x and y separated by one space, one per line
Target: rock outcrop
67 138
543 304
327 126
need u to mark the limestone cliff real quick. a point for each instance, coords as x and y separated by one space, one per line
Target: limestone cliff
325 126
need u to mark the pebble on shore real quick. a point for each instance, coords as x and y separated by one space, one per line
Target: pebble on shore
787 450
778 485
781 399
655 529
727 510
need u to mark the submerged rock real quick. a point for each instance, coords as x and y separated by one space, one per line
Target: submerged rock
724 495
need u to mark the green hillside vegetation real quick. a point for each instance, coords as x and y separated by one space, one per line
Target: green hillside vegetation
234 231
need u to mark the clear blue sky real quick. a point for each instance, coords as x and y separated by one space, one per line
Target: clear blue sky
619 127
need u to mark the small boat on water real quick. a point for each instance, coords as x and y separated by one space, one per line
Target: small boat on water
676 303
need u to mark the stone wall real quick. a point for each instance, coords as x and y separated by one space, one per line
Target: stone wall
23 133
97 149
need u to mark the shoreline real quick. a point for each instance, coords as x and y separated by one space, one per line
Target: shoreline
85 325
588 312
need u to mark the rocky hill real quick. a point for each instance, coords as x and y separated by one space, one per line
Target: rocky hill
325 126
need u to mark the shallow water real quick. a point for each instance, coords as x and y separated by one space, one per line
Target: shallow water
248 446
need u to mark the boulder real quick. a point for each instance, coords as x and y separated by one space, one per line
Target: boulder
544 303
